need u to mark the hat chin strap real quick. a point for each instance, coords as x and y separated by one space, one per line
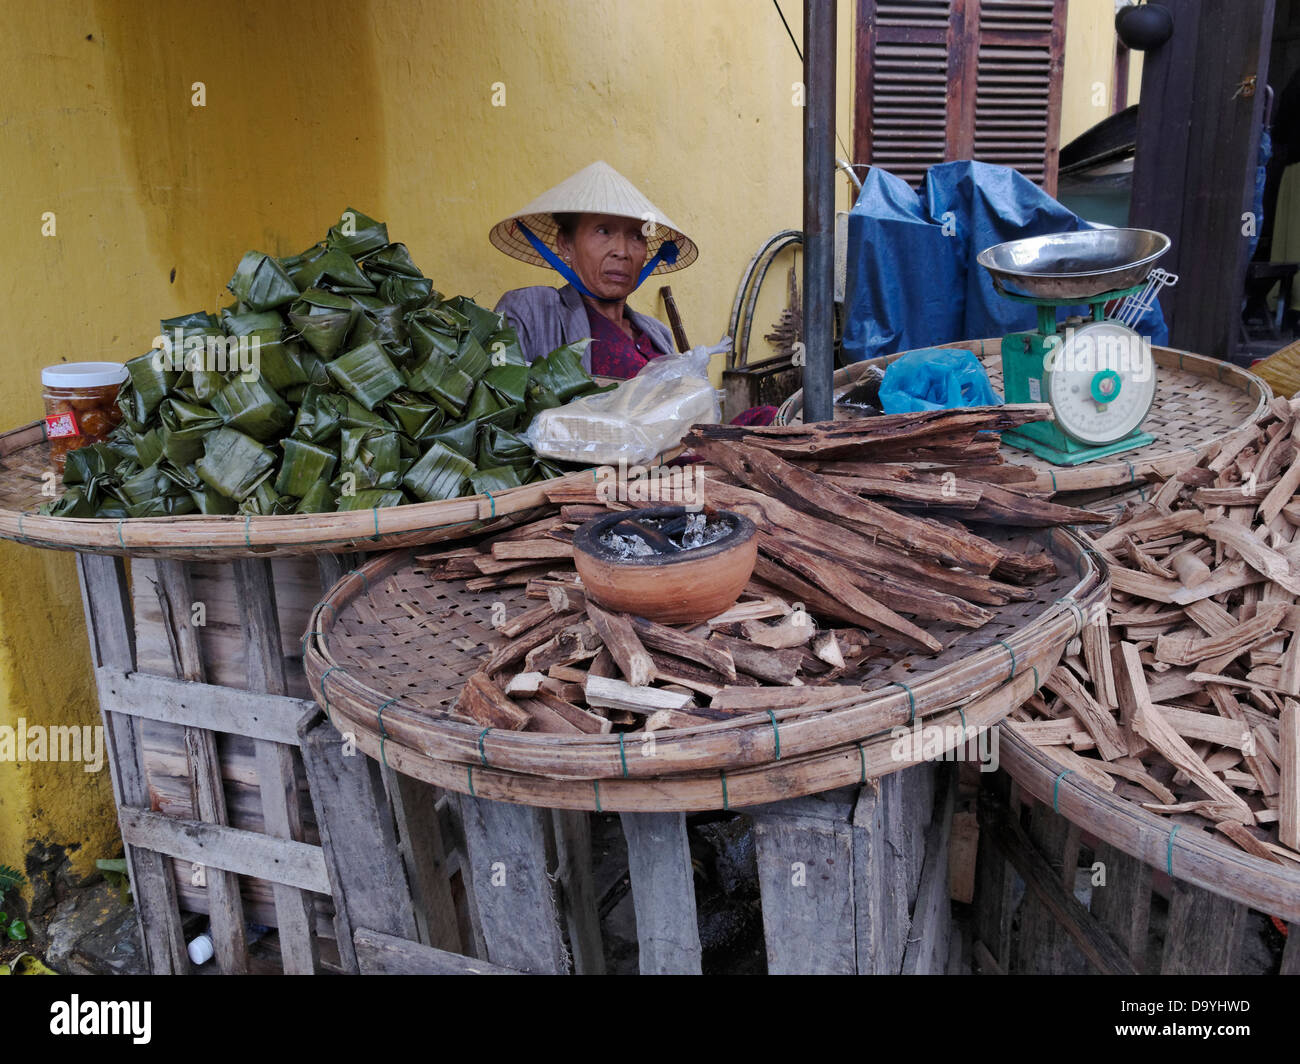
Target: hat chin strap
667 253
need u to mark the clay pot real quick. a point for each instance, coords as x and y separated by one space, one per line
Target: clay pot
684 587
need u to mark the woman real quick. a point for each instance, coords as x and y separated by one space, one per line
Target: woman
605 238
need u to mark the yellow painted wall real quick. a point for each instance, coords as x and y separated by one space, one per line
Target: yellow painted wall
1089 76
311 107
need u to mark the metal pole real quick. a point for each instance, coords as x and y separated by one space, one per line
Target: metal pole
819 26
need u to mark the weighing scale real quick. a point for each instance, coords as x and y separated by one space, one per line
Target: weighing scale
1096 372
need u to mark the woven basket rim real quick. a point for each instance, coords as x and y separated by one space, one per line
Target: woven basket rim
1128 467
223 537
1197 857
338 688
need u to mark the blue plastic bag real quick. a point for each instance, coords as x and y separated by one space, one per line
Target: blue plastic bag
935 379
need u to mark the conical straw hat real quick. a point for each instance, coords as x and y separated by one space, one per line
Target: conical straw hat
597 189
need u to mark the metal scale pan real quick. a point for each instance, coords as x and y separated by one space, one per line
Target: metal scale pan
1074 267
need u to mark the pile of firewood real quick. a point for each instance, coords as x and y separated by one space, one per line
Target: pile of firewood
862 538
1185 697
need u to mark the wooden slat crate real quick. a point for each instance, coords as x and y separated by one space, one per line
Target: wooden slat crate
1028 918
852 881
235 797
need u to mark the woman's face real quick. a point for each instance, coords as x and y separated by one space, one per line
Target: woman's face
606 252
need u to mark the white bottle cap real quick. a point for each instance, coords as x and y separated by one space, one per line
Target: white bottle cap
83 375
200 949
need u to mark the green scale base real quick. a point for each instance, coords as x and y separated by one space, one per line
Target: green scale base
1077 455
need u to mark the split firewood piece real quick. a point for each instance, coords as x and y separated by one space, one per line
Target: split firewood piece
1289 679
519 647
1211 810
1149 723
671 641
1098 721
1144 561
492 566
1096 655
615 694
751 611
620 638
542 718
1253 552
1131 769
774 666
1210 617
1176 649
671 669
532 549
1151 527
808 491
513 578
486 703
602 665
793 631
832 580
1046 732
580 718
522 622
525 683
761 699
913 489
567 674
578 642
1289 796
1281 494
1241 835
1007 506
1207 727
661 719
568 690
1226 578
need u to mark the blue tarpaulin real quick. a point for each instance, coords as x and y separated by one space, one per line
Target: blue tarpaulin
912 276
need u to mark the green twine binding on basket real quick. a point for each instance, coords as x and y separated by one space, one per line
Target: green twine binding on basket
1037 684
911 700
469 771
777 733
248 542
1131 478
383 732
725 803
494 506
1013 658
596 785
482 753
862 756
1169 852
376 537
120 540
364 579
1055 489
622 753
1056 789
324 676
964 725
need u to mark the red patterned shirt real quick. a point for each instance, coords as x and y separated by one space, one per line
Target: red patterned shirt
613 352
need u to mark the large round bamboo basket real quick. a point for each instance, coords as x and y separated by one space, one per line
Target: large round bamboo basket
26 473
1199 402
1185 851
388 649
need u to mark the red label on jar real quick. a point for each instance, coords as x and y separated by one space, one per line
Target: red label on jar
59 426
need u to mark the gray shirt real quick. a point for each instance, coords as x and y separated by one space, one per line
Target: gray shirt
546 318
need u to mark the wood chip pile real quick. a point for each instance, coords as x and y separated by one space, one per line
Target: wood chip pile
1186 697
865 537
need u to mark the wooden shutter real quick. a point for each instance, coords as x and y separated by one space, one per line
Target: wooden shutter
939 80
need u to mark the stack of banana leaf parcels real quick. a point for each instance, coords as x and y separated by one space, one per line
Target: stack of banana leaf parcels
338 380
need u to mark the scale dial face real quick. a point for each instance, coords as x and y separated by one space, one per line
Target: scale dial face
1101 381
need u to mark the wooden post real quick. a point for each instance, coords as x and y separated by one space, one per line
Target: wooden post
1123 903
107 602
1044 948
578 889
225 906
663 893
1197 151
277 778
359 837
927 945
508 878
1204 934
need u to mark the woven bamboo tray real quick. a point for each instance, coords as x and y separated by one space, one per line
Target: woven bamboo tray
24 463
1182 849
388 649
1199 402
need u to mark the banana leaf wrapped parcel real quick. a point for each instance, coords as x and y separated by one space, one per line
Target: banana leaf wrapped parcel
338 379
